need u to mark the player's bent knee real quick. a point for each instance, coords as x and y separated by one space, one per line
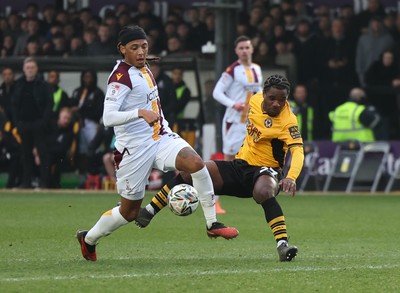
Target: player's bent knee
189 161
264 193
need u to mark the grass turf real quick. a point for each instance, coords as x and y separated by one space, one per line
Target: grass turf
347 243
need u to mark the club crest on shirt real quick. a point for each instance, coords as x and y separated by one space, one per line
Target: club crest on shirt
268 122
294 132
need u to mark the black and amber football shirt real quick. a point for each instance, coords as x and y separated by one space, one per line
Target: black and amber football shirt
268 138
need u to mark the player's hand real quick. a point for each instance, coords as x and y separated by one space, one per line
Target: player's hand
150 117
238 106
288 185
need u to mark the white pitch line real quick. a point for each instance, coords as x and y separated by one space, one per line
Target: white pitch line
196 273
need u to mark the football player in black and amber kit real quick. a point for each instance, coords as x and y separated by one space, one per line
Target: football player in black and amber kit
256 171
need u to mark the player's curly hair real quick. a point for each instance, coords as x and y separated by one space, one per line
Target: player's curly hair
276 81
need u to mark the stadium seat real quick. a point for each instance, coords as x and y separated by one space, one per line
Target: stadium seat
311 155
345 160
93 182
108 183
370 168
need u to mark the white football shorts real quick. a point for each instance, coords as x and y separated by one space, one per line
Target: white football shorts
233 135
135 167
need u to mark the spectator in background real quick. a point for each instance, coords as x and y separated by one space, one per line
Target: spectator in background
49 17
303 111
7 48
170 30
183 94
85 15
374 9
210 28
370 46
266 28
106 44
87 102
13 29
57 46
32 34
146 17
336 74
263 55
101 151
124 19
64 18
60 97
166 92
183 33
347 15
186 128
59 139
197 30
112 22
289 19
76 47
91 44
10 148
353 119
33 48
6 90
276 12
305 48
284 57
255 17
122 8
32 104
175 46
383 81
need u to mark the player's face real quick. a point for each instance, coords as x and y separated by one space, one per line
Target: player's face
244 50
136 52
274 101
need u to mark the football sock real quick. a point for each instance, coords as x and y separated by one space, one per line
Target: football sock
203 184
275 219
108 223
160 200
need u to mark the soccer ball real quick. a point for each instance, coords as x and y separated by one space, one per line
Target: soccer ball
183 200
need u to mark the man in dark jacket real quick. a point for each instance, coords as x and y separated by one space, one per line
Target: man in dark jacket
32 103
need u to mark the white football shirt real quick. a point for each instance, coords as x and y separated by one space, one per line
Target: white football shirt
237 84
130 89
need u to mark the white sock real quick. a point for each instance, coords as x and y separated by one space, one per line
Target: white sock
108 223
150 209
216 198
203 184
280 242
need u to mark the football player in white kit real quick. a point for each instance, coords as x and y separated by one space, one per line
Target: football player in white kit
237 84
143 141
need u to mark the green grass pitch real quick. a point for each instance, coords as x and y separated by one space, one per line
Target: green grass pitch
347 243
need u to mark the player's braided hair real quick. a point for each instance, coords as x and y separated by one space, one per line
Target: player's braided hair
276 81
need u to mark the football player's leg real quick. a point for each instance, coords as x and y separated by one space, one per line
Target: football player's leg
265 189
157 203
131 186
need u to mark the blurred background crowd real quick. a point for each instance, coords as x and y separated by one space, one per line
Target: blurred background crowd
327 50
